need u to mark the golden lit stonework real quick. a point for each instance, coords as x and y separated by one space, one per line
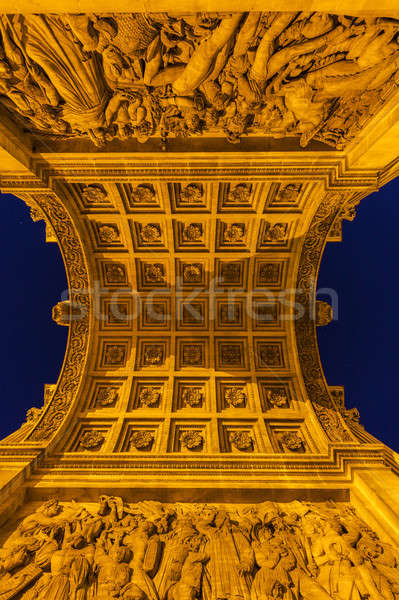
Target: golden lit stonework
192 165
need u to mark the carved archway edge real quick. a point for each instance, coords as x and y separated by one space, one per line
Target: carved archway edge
73 368
331 207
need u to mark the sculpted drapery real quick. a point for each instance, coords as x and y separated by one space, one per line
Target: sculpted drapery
154 551
307 75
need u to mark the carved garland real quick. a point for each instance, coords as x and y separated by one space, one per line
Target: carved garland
305 328
76 353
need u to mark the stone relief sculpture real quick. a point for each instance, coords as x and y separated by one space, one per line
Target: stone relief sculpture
153 551
307 75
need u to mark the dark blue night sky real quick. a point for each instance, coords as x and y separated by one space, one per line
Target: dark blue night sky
32 345
357 351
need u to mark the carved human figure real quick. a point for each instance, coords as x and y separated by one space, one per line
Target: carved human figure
303 572
334 557
78 82
145 546
176 546
231 558
70 568
48 518
11 575
189 585
113 571
275 561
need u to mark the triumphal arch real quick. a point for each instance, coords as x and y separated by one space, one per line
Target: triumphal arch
192 163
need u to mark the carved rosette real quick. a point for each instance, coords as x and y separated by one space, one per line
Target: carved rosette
277 398
150 233
91 440
235 396
234 232
143 194
149 396
192 396
141 440
192 193
192 273
292 441
115 274
242 440
108 234
192 232
154 273
94 194
240 193
191 440
107 396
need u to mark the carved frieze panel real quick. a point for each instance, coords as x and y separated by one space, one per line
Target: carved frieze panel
96 541
315 76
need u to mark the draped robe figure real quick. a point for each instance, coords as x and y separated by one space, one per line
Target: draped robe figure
79 82
231 558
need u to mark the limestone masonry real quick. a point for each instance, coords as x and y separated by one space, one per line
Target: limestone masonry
192 165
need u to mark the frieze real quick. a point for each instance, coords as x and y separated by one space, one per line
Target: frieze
313 76
179 551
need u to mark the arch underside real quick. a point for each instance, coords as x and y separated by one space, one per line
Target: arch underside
192 260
